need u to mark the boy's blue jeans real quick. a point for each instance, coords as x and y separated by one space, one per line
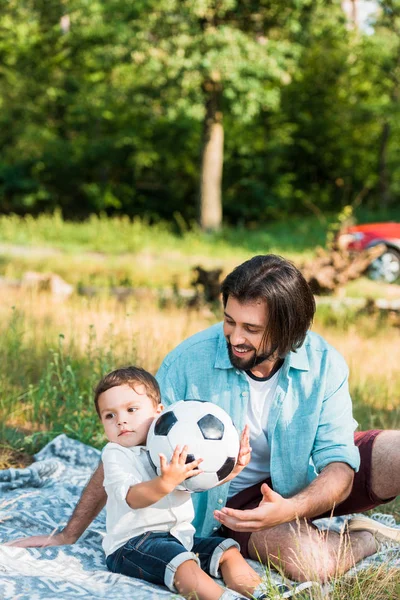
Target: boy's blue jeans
155 557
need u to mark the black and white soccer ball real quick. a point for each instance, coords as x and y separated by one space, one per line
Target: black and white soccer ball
209 433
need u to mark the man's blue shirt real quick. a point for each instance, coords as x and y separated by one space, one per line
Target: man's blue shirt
310 423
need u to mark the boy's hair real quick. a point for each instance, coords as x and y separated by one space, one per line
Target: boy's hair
131 376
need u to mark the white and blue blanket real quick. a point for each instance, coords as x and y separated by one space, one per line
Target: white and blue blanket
39 500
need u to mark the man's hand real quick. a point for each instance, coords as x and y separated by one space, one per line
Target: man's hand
42 541
177 470
272 510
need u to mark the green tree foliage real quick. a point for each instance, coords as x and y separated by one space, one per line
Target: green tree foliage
104 106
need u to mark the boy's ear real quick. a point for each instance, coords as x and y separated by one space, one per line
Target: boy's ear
160 408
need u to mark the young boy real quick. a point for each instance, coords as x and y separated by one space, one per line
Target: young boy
149 532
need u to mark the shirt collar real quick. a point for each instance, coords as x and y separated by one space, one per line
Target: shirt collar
297 360
222 357
137 449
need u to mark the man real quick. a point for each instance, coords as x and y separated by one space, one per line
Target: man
265 368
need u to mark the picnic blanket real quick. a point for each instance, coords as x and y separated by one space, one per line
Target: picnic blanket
40 499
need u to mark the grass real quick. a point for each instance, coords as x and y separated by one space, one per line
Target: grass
118 235
117 251
111 252
106 252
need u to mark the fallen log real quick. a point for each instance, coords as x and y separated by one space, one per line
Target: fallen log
331 269
207 284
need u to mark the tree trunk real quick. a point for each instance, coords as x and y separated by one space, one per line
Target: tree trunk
212 161
350 8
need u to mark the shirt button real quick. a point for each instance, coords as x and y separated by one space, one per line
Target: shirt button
215 528
245 394
220 501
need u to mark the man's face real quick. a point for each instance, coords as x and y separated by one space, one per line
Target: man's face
126 414
244 326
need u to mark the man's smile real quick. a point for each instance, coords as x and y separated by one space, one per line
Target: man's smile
240 350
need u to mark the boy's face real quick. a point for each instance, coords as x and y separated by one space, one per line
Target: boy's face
127 414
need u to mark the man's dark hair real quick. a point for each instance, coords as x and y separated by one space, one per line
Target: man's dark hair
131 376
290 302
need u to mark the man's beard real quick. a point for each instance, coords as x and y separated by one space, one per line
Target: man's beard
246 364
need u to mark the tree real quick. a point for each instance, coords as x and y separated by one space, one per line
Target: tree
387 27
219 57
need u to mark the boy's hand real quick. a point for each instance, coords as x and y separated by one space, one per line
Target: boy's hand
176 471
244 452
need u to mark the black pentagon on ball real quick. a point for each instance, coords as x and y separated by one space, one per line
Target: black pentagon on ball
165 423
226 468
211 427
195 400
190 458
151 462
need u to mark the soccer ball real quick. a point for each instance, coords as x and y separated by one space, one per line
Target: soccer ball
209 433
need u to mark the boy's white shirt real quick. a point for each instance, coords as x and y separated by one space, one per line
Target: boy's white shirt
124 467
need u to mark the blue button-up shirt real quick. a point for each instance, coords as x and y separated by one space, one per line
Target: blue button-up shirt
310 423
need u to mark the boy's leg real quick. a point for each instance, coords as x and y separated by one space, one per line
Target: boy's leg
160 558
220 557
193 583
237 574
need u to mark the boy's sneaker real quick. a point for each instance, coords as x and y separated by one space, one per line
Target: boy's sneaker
231 595
383 534
304 589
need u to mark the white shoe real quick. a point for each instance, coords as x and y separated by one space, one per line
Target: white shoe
292 591
382 533
229 594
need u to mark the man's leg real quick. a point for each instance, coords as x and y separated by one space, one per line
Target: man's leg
303 553
385 467
303 549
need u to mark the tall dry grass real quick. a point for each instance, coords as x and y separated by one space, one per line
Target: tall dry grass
53 352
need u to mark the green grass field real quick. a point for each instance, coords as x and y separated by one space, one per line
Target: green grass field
114 252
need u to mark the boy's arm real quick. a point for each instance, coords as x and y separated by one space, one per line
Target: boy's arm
147 493
173 473
90 504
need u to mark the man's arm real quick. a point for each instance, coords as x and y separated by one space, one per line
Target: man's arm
90 504
330 488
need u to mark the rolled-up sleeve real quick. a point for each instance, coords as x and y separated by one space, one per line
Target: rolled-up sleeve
334 441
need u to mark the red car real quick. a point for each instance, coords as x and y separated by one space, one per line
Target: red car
359 237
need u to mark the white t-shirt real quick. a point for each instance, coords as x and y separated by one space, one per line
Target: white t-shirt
124 467
262 392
